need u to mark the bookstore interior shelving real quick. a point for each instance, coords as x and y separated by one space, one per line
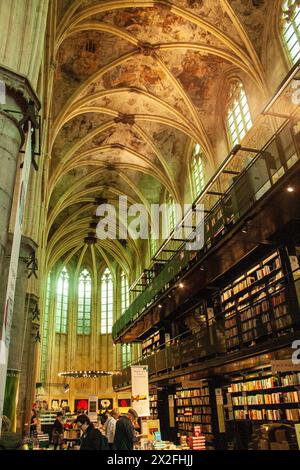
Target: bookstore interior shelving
195 406
151 343
257 304
264 397
153 404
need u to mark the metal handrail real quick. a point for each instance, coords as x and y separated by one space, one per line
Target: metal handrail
181 258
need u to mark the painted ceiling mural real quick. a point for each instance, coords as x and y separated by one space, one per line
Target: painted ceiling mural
132 84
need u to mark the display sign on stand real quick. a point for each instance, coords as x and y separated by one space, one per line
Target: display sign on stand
93 408
140 390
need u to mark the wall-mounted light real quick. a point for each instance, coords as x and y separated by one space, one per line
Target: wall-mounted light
290 189
181 285
159 305
67 388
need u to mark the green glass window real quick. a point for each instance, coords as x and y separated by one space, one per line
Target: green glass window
153 245
124 292
198 170
291 28
238 114
171 213
45 330
107 298
62 293
84 303
126 355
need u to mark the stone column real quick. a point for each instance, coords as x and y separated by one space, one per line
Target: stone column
18 330
28 366
16 97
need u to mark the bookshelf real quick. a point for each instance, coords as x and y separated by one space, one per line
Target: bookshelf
151 343
265 398
256 304
194 407
153 404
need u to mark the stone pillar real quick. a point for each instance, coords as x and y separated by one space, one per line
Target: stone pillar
17 338
18 93
28 366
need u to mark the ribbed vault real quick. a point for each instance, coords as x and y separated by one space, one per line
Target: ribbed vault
134 84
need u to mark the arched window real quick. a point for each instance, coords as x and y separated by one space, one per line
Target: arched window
126 355
238 114
198 170
290 28
62 292
124 292
107 301
171 213
153 244
45 330
84 303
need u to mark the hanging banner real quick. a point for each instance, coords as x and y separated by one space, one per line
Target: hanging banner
140 390
13 269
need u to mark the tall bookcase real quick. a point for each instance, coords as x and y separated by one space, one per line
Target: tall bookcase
153 404
150 344
263 397
259 303
196 406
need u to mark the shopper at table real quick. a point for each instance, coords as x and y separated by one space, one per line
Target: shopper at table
58 431
33 423
91 438
125 434
110 426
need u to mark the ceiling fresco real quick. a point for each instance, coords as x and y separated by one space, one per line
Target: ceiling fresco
134 84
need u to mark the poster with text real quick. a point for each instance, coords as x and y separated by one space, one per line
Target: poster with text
140 390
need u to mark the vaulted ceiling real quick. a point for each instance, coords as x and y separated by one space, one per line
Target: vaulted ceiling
135 83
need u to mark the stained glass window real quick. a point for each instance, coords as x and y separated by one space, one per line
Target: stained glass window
124 292
62 292
84 303
238 115
107 298
126 355
291 28
198 170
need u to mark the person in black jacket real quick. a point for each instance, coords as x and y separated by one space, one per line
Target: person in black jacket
125 434
91 438
58 431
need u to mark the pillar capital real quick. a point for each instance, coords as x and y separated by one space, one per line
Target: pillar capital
20 87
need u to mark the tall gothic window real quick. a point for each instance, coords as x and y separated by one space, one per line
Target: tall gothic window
238 114
198 170
124 292
153 244
107 298
45 330
290 28
62 292
126 355
171 213
84 303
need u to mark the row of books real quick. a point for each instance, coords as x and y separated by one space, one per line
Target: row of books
267 399
193 401
259 415
195 409
195 419
251 385
205 428
268 415
197 392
